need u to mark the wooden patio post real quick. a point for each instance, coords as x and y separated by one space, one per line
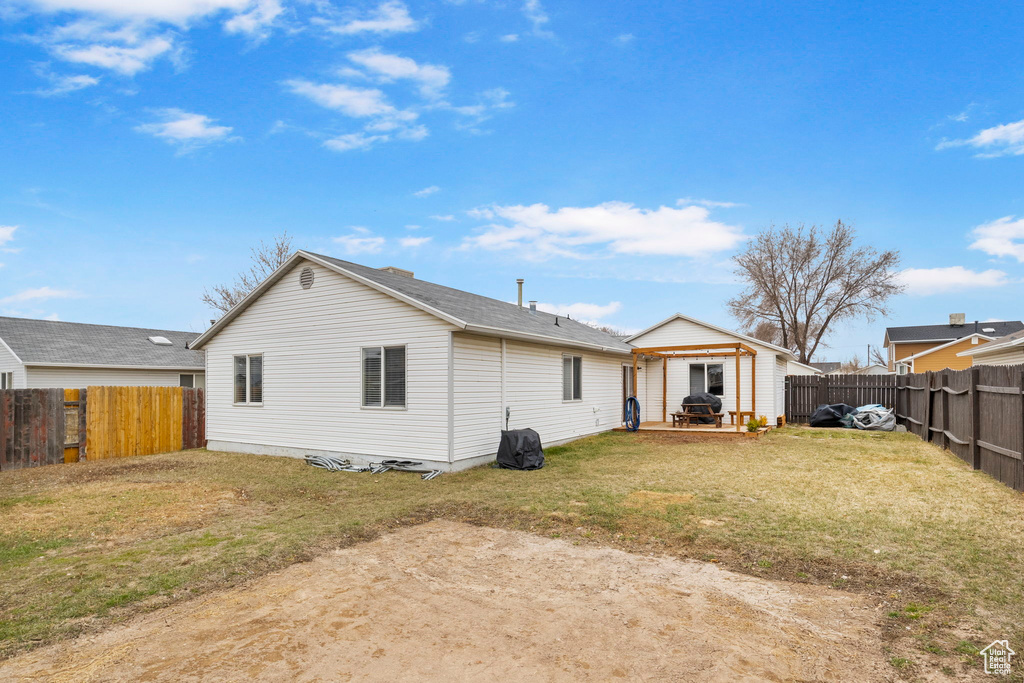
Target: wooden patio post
635 358
753 383
739 416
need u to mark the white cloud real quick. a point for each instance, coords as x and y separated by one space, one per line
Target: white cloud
354 102
7 234
536 15
427 191
431 79
619 227
710 203
509 38
350 141
389 17
1004 140
413 242
926 281
1001 237
61 84
124 59
624 38
447 217
187 130
39 294
584 312
257 21
360 243
488 102
174 11
413 227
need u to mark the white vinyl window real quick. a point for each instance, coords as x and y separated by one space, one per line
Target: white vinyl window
707 378
572 378
6 380
186 381
383 376
248 373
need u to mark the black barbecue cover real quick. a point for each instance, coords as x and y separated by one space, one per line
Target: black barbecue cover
829 415
710 399
520 450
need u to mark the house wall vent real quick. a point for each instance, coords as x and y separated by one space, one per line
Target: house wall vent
306 278
957 319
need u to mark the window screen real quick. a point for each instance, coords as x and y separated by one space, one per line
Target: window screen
371 376
566 378
394 376
697 378
240 379
572 378
256 379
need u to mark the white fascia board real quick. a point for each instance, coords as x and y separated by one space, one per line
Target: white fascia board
184 368
542 339
946 345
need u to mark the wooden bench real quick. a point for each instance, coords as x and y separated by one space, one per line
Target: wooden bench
687 417
743 416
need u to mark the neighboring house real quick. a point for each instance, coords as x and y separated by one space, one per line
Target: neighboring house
873 369
54 354
1005 350
795 368
332 357
935 347
826 366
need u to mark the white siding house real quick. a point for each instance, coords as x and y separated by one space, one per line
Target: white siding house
36 354
684 374
315 327
1006 350
795 368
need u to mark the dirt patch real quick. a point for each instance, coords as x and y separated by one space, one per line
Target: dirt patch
655 500
117 511
451 601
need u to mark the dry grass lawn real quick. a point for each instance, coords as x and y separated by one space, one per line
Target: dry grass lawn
86 545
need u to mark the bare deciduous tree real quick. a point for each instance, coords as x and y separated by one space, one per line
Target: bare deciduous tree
877 357
800 282
266 258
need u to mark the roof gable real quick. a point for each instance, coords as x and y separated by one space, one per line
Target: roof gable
471 312
54 342
715 328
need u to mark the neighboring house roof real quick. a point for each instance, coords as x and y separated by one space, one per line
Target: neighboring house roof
867 369
471 312
739 335
996 345
933 349
826 366
57 343
945 333
805 365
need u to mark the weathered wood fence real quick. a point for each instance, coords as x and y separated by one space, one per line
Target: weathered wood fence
804 393
49 426
977 414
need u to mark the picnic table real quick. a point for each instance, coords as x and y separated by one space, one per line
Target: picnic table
743 415
689 417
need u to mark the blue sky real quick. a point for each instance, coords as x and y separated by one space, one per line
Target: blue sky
613 154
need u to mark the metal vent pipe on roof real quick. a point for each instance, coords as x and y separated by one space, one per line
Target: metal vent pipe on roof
533 307
519 282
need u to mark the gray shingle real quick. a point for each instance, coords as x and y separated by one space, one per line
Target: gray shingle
946 333
50 341
481 310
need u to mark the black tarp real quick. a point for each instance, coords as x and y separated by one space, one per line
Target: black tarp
520 449
830 415
710 399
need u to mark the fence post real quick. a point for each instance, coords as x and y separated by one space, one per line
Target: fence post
822 389
944 383
974 397
82 423
928 406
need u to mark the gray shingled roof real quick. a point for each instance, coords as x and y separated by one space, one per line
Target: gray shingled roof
946 333
62 343
474 309
826 366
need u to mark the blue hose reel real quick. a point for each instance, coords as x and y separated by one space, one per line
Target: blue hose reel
632 414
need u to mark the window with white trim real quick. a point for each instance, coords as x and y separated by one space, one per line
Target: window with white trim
572 378
6 380
248 372
707 378
186 380
383 376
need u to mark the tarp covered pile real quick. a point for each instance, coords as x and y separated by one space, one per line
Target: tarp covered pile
874 417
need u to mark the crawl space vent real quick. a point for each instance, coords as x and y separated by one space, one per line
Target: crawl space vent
306 278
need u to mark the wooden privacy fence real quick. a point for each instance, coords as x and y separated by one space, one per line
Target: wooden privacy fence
977 414
49 426
804 393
